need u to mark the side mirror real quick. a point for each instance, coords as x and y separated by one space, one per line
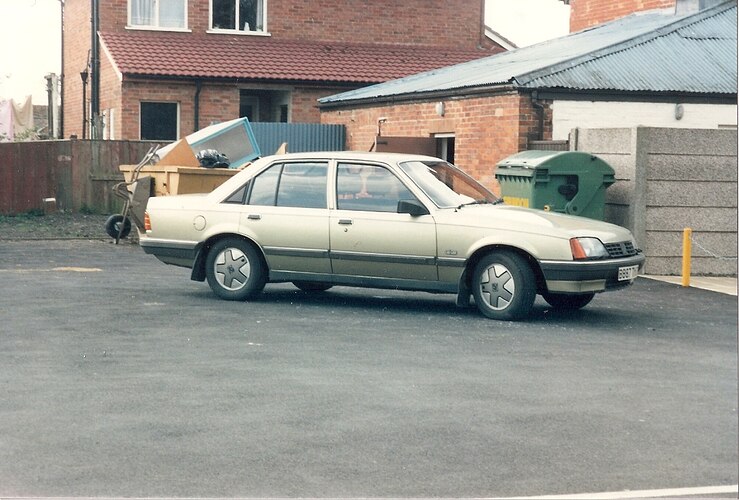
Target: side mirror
412 207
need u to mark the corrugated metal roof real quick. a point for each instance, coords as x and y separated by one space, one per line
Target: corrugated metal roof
648 52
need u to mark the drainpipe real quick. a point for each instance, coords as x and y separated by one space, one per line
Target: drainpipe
540 112
95 73
61 78
196 104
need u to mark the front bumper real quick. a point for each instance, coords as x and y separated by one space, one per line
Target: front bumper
588 276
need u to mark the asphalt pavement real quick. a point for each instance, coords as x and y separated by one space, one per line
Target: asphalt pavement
120 377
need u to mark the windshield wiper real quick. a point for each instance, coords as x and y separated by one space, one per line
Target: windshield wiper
480 202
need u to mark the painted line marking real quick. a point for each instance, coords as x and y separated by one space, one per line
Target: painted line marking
54 270
615 495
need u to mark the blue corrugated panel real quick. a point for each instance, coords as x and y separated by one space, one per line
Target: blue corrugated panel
300 137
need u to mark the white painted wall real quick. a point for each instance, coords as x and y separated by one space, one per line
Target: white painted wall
593 114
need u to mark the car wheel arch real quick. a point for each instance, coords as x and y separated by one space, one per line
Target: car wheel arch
465 282
198 268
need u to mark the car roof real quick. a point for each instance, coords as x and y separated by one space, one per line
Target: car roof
353 155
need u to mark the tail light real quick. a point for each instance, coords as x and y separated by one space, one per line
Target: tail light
147 222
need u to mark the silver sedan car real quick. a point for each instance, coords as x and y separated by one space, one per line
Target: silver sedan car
385 220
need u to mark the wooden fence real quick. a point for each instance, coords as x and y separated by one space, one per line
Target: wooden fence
77 173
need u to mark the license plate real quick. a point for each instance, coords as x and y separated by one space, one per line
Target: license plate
627 273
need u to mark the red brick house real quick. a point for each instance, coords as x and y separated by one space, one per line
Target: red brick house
161 69
587 13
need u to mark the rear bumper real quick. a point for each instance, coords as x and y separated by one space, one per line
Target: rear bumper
174 252
588 276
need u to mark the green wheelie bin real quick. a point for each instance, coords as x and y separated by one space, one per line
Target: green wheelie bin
569 182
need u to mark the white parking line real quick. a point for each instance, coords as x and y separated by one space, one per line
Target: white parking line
616 495
54 270
613 495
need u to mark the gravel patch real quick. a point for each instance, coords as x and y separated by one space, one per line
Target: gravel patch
56 226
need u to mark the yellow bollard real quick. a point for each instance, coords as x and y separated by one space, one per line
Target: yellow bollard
687 233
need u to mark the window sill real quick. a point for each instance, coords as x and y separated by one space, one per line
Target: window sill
238 32
158 28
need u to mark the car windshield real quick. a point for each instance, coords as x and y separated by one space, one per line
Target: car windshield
446 185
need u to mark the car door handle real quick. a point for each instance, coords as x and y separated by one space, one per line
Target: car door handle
254 217
345 222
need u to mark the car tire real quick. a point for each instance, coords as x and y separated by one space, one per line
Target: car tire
113 226
235 270
504 286
312 286
566 302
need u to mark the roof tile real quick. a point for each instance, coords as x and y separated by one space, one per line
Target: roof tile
266 58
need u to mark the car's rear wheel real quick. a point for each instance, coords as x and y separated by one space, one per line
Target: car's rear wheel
235 270
312 286
504 286
568 302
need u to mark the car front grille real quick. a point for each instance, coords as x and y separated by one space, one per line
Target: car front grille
621 249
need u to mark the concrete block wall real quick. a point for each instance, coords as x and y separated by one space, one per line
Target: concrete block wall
669 180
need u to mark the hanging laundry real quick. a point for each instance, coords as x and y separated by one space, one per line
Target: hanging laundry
6 120
22 115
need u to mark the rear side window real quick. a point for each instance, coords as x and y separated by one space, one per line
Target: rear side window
289 185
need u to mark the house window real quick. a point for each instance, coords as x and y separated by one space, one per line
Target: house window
159 121
238 15
157 13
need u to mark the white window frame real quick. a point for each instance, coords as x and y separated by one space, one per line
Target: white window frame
262 32
109 124
155 23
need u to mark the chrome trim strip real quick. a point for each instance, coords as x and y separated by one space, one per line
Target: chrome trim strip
383 257
451 262
593 264
162 243
365 281
314 253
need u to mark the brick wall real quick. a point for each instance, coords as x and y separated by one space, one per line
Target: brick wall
217 103
447 23
450 23
586 13
76 48
486 129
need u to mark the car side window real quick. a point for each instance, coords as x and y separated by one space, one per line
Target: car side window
303 185
369 188
264 187
291 185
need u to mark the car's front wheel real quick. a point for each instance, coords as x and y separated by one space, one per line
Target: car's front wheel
568 302
235 270
504 286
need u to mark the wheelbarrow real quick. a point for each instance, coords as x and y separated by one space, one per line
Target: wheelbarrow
134 194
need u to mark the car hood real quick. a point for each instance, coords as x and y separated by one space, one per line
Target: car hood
530 220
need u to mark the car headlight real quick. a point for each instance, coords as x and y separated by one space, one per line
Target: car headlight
588 248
